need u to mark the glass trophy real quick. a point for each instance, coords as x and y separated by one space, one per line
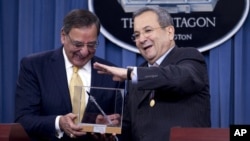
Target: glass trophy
100 109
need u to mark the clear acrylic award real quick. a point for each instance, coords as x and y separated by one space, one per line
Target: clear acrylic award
100 109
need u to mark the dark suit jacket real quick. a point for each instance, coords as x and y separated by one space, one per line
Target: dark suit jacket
181 94
42 93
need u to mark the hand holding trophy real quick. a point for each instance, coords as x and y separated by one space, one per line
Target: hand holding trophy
98 116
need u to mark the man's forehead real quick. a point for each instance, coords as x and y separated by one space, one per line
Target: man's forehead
145 20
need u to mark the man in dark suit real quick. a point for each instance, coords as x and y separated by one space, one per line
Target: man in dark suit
43 103
170 89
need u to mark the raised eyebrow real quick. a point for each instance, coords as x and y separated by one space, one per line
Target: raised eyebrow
147 27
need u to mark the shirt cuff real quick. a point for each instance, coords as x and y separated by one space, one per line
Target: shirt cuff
133 74
134 77
59 132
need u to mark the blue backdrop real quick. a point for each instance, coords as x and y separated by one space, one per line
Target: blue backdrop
29 26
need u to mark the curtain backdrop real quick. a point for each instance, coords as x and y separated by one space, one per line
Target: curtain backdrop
29 26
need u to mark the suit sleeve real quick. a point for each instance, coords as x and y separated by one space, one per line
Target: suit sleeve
28 103
186 74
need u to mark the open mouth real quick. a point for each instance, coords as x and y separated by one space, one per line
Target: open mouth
147 47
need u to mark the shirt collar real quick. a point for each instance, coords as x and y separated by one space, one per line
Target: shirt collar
159 61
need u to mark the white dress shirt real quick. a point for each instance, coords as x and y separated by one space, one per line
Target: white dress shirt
85 74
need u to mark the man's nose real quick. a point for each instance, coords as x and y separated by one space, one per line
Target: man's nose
84 50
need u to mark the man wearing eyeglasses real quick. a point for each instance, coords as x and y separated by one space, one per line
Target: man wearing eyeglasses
170 89
43 101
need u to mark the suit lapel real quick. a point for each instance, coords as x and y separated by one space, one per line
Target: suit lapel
95 77
143 94
58 70
95 82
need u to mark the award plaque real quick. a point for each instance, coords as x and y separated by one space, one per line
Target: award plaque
100 109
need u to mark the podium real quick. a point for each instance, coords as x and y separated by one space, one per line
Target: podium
12 132
199 134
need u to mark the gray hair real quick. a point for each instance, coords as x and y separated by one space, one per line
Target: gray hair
164 18
78 18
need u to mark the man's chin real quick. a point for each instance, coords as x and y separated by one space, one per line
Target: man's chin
79 63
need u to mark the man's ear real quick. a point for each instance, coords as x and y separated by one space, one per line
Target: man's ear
62 36
171 30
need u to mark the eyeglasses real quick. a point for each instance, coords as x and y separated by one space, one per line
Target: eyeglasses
90 45
146 32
